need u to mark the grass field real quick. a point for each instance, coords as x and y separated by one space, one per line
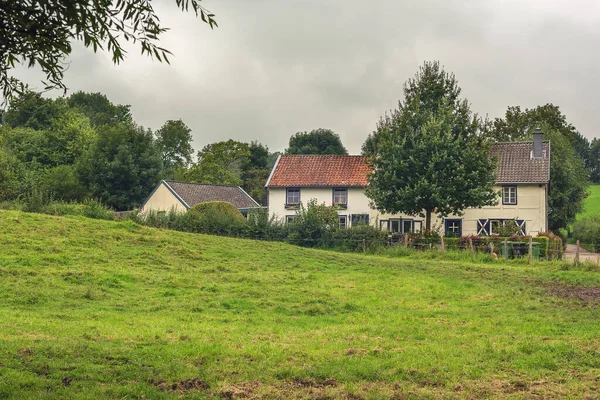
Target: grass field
592 202
93 309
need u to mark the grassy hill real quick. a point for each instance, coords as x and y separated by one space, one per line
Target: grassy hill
93 309
592 202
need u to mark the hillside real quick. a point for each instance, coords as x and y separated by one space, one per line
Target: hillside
94 309
592 202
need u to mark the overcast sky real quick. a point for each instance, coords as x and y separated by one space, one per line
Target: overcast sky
275 67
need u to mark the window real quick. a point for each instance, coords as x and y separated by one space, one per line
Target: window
343 221
407 226
293 196
402 225
417 226
340 196
509 195
289 219
359 219
500 226
453 227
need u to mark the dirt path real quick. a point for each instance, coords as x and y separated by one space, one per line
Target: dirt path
584 255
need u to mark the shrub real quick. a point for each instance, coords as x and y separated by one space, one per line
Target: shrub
587 231
359 238
313 225
63 208
35 200
93 208
260 226
217 218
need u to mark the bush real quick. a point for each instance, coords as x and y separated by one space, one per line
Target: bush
260 226
216 218
587 231
93 208
313 225
359 238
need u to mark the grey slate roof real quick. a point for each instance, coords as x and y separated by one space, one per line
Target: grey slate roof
194 193
515 164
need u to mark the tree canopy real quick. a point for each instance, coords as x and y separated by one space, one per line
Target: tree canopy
174 141
429 155
41 32
317 141
122 166
568 175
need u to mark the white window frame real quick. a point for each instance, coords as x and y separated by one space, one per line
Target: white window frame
338 200
343 225
287 195
289 219
509 195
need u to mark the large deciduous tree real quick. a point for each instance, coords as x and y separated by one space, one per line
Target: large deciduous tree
429 155
569 150
41 32
594 160
99 109
122 166
317 141
219 163
174 141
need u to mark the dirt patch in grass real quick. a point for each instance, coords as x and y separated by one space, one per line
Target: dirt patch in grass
182 386
584 294
332 389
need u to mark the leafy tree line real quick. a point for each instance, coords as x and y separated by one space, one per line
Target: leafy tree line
84 146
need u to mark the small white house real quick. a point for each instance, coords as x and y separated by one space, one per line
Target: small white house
522 179
181 196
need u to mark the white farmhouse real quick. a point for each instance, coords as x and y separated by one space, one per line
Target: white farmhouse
522 179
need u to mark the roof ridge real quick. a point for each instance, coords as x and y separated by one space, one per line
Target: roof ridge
201 184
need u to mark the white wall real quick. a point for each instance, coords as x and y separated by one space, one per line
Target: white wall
163 200
531 206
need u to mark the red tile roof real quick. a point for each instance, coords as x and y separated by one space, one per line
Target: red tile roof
515 165
318 170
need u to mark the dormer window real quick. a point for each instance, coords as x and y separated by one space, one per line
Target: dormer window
509 195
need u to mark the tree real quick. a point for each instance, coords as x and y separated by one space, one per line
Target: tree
255 172
594 161
42 32
428 155
318 141
219 163
122 166
12 173
518 125
568 175
174 141
63 139
99 109
31 110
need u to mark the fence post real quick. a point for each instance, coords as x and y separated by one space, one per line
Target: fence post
577 253
492 248
471 250
530 249
505 249
443 245
406 240
364 245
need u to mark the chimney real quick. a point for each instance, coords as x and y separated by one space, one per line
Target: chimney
538 148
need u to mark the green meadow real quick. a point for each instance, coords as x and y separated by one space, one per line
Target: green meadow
99 309
592 202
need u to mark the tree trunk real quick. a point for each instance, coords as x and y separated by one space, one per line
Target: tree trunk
428 220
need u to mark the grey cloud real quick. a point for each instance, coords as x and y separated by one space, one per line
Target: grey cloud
276 67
